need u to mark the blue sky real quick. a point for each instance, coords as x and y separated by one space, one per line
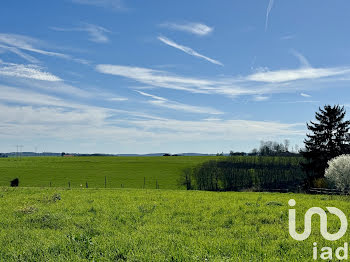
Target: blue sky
119 76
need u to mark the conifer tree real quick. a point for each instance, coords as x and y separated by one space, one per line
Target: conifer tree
328 138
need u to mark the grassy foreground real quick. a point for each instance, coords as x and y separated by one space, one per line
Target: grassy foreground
156 225
127 171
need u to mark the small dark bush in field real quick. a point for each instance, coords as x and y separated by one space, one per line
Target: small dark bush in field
92 210
27 210
15 182
229 222
249 204
274 203
120 257
56 197
45 221
266 220
147 209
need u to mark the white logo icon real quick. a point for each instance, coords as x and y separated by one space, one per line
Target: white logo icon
323 222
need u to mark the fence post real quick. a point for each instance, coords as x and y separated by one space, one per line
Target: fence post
144 182
156 184
50 183
105 181
87 184
69 184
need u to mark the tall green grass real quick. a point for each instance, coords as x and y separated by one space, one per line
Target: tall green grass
156 225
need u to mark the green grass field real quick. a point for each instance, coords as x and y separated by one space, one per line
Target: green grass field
129 171
39 223
156 225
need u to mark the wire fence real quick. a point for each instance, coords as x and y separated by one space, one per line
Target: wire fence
103 182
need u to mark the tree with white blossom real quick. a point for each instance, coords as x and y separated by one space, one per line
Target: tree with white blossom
328 137
338 172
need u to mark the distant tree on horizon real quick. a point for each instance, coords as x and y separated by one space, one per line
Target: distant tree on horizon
232 153
272 148
328 138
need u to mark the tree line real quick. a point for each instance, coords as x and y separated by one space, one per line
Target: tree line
273 166
245 172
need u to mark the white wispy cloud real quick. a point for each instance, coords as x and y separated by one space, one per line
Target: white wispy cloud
231 128
187 50
303 61
19 43
212 119
97 33
193 28
91 123
166 103
268 10
164 79
18 52
258 84
184 107
261 98
280 76
150 95
117 99
299 102
37 77
110 4
32 114
305 72
56 87
26 43
25 97
305 95
10 94
44 115
155 77
27 71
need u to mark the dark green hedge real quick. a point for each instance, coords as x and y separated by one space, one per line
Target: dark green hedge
245 172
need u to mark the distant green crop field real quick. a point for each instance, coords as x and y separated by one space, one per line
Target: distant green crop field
55 224
127 171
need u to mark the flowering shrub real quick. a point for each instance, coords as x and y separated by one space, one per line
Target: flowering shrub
338 172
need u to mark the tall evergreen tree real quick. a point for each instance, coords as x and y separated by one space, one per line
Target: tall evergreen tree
328 138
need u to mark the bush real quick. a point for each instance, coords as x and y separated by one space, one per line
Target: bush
186 178
14 183
338 172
